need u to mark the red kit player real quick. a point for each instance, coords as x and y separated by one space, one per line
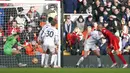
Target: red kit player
113 44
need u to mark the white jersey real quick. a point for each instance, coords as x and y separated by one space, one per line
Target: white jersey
43 28
90 43
50 36
94 37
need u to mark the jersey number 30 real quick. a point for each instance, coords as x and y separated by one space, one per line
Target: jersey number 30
50 34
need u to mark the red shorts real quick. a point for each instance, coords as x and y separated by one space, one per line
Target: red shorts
114 44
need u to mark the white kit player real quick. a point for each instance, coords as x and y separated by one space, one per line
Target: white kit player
50 41
40 40
90 43
44 27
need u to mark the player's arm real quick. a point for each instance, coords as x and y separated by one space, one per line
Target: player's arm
43 34
97 36
20 46
40 35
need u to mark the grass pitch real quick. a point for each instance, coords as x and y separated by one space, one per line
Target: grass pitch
64 70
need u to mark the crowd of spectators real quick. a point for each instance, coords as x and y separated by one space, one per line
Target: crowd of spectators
112 14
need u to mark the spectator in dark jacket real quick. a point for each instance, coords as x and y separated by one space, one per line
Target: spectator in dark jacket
89 21
30 34
33 16
128 3
111 24
70 6
117 14
116 4
122 10
95 7
127 15
108 8
80 23
100 11
68 27
83 6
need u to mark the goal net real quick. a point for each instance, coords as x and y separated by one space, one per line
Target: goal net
27 19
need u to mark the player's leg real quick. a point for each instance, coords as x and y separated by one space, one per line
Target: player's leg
116 48
54 55
18 57
121 58
97 53
42 59
109 52
15 52
43 55
86 53
47 58
56 60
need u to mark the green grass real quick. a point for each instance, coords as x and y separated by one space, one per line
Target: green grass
63 70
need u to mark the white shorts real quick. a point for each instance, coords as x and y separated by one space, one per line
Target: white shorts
51 48
87 47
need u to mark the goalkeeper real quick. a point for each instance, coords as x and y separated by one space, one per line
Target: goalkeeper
12 47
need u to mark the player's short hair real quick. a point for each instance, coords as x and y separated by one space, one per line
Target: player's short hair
50 19
53 23
100 26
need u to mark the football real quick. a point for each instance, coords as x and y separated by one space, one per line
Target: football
34 60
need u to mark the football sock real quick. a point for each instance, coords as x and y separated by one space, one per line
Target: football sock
52 59
112 57
99 61
18 58
46 60
42 59
122 58
80 60
55 62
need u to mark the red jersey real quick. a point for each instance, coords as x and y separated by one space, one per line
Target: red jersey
113 40
108 34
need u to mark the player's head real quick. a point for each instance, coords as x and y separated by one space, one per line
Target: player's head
50 19
100 27
53 23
